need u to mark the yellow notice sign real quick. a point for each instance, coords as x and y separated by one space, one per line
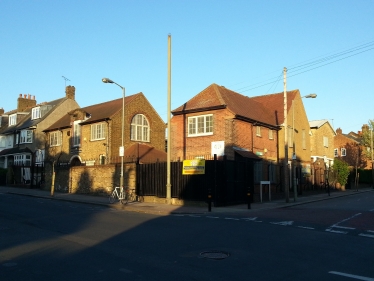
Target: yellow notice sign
194 167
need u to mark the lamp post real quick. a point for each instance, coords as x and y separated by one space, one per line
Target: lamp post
310 96
122 148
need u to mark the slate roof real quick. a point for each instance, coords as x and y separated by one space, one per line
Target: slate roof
219 97
27 122
97 112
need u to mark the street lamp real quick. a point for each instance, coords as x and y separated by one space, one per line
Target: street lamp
310 96
122 148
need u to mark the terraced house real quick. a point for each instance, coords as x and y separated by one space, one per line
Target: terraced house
22 137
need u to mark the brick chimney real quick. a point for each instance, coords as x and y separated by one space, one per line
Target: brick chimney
339 131
1 111
24 102
70 92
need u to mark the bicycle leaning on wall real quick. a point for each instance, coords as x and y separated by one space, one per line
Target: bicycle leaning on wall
124 195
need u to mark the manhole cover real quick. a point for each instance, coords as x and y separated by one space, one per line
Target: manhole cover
214 255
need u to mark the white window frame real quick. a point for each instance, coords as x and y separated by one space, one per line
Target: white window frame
258 131
271 135
3 142
9 141
35 113
325 141
98 131
343 151
12 120
193 125
140 130
76 133
39 156
26 136
55 138
22 159
336 153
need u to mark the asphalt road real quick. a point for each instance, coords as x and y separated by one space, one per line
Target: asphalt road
42 239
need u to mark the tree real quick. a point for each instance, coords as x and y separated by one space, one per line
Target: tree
341 170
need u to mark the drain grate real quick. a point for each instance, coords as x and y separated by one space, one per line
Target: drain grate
214 255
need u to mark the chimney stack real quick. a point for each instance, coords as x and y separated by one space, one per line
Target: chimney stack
25 102
1 111
70 92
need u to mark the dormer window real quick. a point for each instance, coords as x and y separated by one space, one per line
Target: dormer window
12 119
35 114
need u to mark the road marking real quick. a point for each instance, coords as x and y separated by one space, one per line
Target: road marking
194 216
370 231
366 235
177 215
352 276
372 210
336 231
211 217
285 223
231 219
343 227
306 227
249 219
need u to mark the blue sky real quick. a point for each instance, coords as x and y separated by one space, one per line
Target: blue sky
242 45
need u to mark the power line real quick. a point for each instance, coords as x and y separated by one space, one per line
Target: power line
309 66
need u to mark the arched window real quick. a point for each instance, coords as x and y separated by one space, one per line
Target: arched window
139 128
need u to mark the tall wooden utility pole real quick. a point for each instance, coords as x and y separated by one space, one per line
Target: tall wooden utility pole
285 126
168 184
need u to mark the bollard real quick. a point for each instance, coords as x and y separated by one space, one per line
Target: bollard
209 200
249 198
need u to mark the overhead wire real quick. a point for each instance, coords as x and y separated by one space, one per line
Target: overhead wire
309 66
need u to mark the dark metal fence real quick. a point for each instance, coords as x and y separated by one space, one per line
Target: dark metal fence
227 180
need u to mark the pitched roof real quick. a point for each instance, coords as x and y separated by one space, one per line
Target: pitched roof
275 103
145 153
219 97
96 112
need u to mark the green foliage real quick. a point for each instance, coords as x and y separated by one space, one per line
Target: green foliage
341 170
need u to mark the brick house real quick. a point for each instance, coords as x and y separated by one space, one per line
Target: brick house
297 121
92 136
223 122
349 148
322 141
24 137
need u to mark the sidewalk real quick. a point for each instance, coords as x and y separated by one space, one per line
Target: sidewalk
165 209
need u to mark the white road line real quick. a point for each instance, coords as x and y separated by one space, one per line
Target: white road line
177 215
336 231
194 216
285 223
352 276
249 219
343 227
231 219
366 235
372 210
370 231
210 217
306 227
